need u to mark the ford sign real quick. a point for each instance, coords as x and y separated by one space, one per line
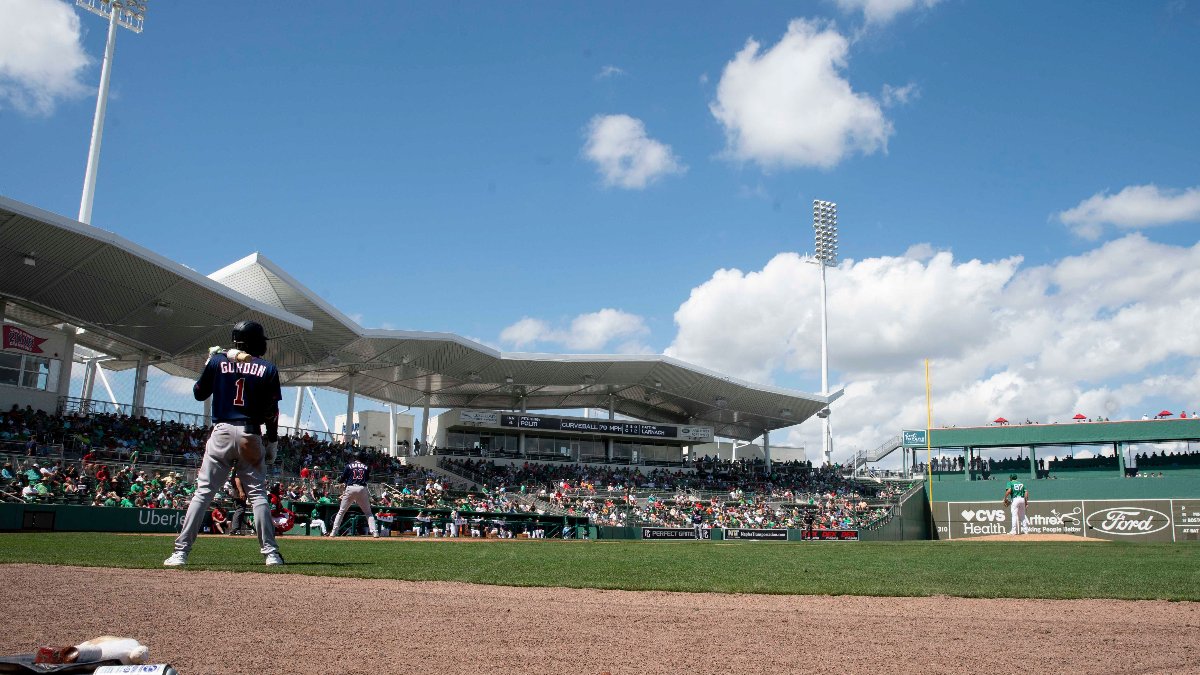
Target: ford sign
1128 521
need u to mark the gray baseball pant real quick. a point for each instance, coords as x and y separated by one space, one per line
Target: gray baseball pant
220 455
355 494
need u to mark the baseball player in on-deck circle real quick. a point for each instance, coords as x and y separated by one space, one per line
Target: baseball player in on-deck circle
245 391
1015 497
356 475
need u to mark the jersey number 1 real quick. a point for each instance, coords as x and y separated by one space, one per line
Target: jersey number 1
240 397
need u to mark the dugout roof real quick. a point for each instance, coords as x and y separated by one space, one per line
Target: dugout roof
117 290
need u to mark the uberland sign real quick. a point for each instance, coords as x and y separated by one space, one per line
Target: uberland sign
1114 519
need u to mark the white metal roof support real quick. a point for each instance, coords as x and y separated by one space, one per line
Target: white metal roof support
89 379
107 387
140 378
767 450
425 426
391 430
68 362
317 406
297 409
349 429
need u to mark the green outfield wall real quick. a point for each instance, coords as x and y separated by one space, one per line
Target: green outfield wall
58 518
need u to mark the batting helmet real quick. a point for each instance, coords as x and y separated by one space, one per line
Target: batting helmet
1012 476
249 336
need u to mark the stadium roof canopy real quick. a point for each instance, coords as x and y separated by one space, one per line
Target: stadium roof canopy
128 300
131 301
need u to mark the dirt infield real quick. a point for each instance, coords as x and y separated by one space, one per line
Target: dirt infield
226 622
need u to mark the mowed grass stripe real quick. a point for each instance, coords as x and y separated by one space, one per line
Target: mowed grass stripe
1053 570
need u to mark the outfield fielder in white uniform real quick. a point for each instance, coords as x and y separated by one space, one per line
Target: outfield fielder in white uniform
1016 496
356 475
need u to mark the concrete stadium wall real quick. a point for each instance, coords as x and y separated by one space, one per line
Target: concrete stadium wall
22 396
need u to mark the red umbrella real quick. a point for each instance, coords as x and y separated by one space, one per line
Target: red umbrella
1000 420
1165 413
1079 416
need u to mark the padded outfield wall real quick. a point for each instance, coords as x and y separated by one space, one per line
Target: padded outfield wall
1122 509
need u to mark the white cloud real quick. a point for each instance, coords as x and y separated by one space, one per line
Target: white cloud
625 155
790 105
1135 207
883 11
525 332
41 58
586 332
894 96
1039 342
922 251
609 71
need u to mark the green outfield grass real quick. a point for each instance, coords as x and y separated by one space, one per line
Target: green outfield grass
974 569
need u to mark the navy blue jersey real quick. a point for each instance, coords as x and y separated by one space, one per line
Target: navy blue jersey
242 391
355 473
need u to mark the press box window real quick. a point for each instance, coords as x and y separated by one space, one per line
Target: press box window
31 372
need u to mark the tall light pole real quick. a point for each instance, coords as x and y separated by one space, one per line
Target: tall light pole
129 14
825 230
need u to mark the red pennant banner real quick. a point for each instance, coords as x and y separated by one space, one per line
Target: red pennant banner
15 338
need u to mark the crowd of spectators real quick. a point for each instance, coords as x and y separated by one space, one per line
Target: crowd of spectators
723 494
315 458
1001 466
109 437
37 480
1169 460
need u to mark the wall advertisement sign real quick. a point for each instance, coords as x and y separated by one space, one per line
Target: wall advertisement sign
575 425
588 426
673 533
487 417
756 535
1114 519
829 535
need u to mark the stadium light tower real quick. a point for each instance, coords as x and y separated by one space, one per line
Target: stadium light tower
825 230
129 14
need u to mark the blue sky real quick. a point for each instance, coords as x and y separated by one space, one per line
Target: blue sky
508 171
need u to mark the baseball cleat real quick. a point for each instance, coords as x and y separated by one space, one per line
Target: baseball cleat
274 559
177 559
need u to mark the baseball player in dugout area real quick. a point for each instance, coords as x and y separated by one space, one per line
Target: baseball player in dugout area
246 394
356 475
1016 496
